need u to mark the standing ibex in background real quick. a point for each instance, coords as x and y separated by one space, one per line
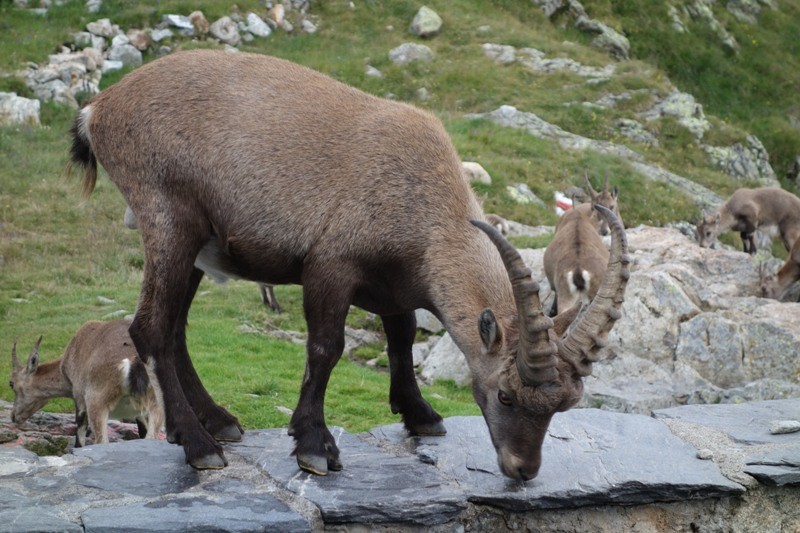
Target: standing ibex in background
750 209
775 286
273 172
575 260
101 372
267 292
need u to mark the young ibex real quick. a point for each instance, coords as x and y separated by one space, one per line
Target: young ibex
750 209
607 198
101 372
275 173
267 291
775 285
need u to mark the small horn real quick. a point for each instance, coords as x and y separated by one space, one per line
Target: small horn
582 344
536 360
593 193
14 360
605 185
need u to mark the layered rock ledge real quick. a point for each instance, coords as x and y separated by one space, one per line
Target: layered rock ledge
712 467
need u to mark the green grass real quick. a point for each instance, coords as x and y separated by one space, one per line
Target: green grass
58 253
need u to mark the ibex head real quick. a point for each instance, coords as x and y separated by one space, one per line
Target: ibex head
532 369
606 198
27 399
707 229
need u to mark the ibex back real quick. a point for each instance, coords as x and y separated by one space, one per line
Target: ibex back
278 174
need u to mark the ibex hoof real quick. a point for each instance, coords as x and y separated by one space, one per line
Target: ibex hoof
435 429
229 434
211 461
316 464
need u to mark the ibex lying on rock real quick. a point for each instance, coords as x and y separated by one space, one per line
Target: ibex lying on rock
575 260
267 291
278 174
750 209
775 286
101 372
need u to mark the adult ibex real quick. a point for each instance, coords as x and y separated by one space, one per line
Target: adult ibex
101 372
775 285
750 209
275 173
575 260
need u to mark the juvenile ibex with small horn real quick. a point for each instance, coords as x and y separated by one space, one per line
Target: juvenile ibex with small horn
750 209
101 372
575 260
278 174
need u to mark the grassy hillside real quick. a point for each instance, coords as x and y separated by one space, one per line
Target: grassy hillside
59 254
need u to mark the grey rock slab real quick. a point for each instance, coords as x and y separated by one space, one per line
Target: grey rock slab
17 462
374 486
590 457
239 513
36 519
775 467
747 423
142 467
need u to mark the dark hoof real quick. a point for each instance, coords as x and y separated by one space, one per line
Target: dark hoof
433 429
229 434
211 461
316 464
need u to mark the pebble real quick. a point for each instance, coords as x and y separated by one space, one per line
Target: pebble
780 427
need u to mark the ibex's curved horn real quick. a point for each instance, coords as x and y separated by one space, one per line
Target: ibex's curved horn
14 360
593 193
536 360
582 343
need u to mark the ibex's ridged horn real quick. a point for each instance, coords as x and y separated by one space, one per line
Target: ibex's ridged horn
580 345
536 360
593 193
14 360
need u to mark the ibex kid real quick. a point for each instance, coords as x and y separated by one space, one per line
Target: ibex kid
101 372
775 285
750 209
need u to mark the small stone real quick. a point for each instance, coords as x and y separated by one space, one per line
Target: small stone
373 72
104 301
426 23
705 454
780 427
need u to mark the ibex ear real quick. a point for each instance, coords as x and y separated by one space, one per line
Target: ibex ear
716 218
615 191
33 359
491 336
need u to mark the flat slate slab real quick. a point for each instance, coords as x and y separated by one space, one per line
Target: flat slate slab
374 486
777 467
746 423
590 457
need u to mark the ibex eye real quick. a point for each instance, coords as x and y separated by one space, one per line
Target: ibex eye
503 398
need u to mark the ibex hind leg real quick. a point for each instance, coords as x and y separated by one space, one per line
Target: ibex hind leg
169 258
404 394
222 425
326 302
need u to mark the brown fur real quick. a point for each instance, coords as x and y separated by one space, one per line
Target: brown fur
775 285
91 372
278 174
750 209
575 260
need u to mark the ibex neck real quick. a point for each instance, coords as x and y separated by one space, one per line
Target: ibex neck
51 383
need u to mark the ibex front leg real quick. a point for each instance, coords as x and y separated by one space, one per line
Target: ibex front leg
404 395
326 301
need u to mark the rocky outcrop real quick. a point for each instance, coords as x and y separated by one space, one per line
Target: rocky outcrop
18 110
713 465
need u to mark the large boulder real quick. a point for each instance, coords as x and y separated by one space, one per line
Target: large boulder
18 110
